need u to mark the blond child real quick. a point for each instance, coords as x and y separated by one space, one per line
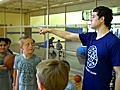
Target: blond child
52 75
25 65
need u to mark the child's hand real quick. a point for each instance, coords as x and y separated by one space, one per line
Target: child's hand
3 67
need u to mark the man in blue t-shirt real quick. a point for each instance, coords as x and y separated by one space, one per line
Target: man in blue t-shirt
103 50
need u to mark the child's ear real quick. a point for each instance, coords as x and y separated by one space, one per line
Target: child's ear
21 47
41 86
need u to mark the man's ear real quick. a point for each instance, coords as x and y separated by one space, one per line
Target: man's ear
102 19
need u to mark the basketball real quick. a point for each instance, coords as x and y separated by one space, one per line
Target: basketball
77 78
9 61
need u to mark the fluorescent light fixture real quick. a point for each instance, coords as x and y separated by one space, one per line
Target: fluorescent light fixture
54 5
1 0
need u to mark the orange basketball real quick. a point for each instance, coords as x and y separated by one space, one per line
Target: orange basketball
9 61
77 78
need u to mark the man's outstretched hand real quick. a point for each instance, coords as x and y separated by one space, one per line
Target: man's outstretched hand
43 30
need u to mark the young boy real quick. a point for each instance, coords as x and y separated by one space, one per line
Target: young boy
9 51
52 75
25 64
5 83
8 44
70 85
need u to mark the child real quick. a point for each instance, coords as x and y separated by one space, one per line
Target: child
70 85
5 83
52 75
9 51
25 64
59 45
8 44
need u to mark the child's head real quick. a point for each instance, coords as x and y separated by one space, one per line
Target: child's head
3 45
67 64
52 75
8 42
27 44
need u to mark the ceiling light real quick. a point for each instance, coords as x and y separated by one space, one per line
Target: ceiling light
68 3
55 5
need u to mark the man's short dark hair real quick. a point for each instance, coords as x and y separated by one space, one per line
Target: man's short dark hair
106 12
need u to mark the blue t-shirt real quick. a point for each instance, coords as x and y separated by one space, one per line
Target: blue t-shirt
58 46
71 86
102 55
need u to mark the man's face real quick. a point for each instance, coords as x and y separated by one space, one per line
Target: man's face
95 21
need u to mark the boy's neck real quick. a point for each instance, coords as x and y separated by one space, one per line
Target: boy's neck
27 55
